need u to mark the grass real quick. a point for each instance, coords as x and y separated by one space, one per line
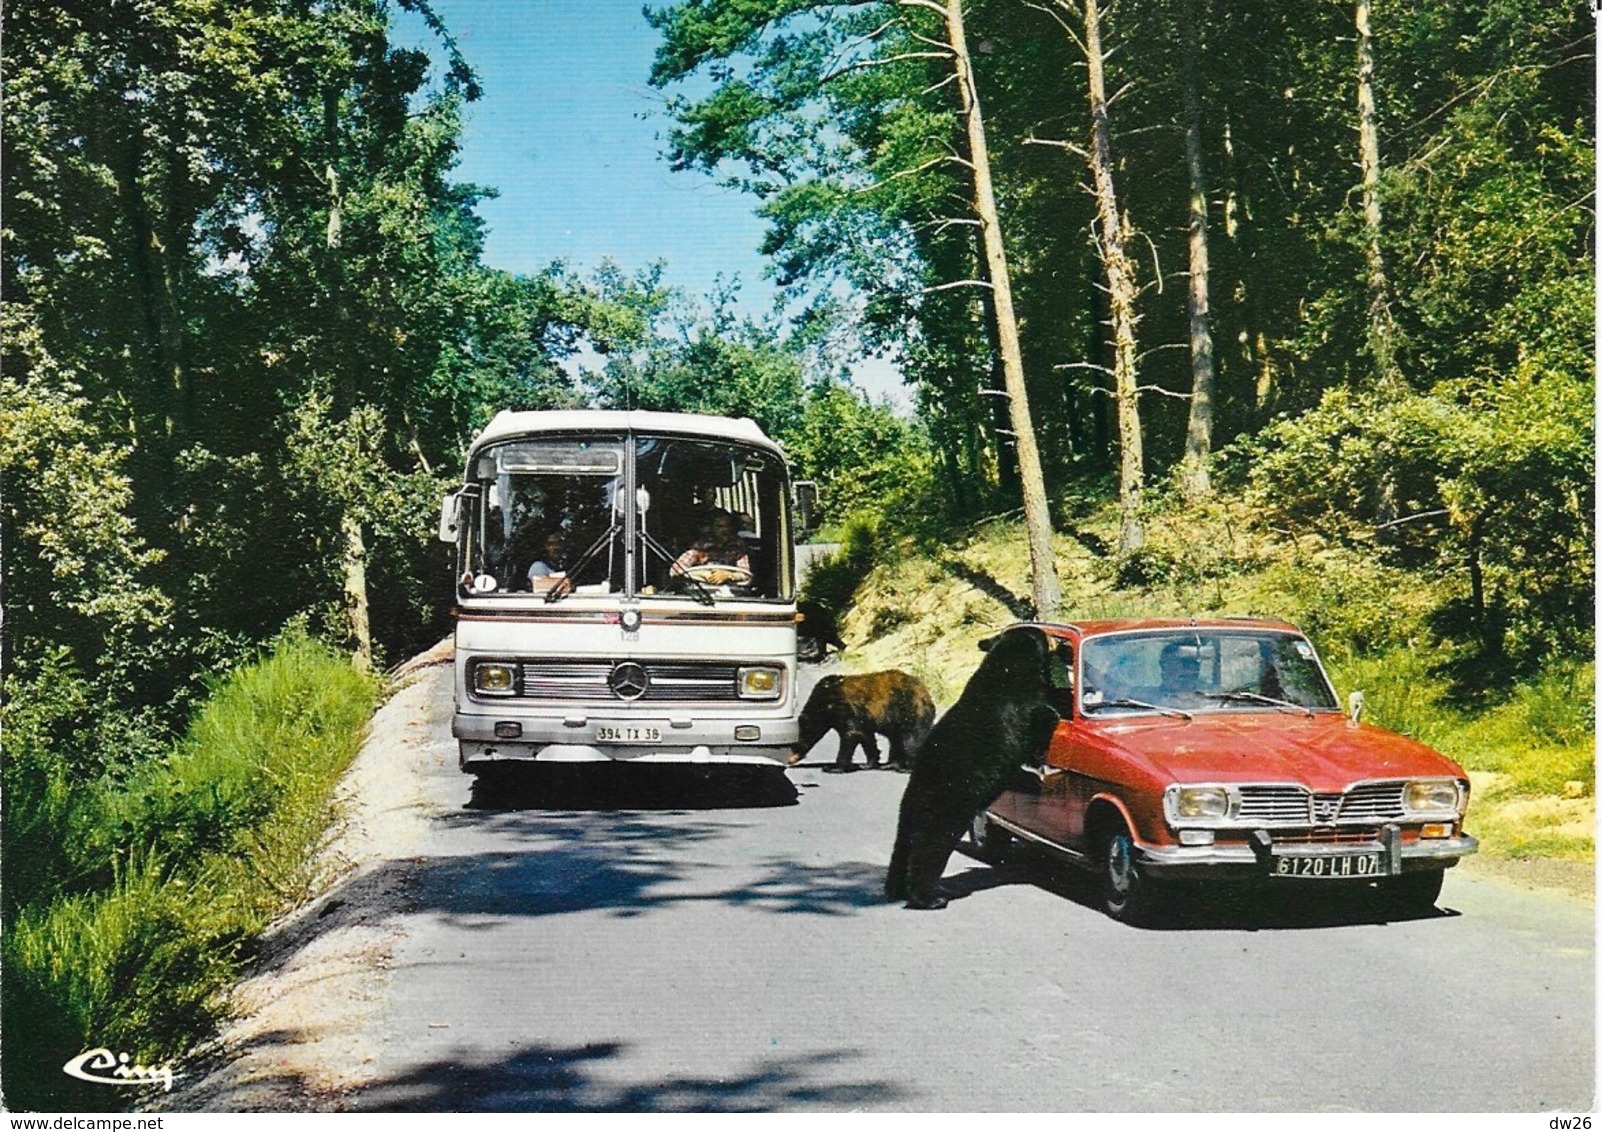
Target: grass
207 846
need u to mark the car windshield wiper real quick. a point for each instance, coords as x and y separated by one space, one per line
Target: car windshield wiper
1256 697
1140 704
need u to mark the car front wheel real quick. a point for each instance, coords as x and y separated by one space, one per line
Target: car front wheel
1128 894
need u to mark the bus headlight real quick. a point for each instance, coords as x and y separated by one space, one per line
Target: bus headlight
760 683
493 679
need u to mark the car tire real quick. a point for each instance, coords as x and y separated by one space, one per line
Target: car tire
1127 894
1412 894
992 843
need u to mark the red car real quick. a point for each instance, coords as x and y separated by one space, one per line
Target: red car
1217 751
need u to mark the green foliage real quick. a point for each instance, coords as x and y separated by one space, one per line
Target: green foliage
865 460
1492 490
833 580
129 912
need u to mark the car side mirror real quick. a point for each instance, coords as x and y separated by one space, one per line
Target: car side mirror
1354 706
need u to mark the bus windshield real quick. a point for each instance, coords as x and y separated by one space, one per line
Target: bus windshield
551 516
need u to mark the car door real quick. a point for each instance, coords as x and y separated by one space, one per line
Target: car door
1037 799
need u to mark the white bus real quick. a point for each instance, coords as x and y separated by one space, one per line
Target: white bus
625 592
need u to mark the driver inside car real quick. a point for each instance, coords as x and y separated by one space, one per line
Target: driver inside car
719 546
1180 665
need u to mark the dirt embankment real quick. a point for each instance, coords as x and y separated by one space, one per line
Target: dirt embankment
299 1041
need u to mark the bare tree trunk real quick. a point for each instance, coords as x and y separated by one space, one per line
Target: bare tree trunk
1113 231
1194 479
1047 590
353 562
1381 327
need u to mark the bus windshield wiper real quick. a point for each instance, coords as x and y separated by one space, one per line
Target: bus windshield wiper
701 591
557 593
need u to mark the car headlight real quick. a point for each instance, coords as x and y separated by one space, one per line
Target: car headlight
491 679
1431 796
760 683
1197 803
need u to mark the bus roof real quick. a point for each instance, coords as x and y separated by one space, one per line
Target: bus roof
508 425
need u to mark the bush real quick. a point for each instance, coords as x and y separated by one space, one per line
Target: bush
202 848
833 579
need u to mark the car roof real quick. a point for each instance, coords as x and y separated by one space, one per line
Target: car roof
1138 624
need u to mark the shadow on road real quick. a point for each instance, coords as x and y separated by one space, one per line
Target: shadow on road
540 1078
606 786
1264 907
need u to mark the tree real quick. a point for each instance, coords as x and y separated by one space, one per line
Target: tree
893 178
1194 477
1114 231
1046 589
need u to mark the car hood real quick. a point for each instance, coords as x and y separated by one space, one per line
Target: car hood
1325 752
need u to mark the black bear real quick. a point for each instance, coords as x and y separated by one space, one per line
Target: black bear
892 704
1002 720
816 631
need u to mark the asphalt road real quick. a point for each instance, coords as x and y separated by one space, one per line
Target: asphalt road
680 946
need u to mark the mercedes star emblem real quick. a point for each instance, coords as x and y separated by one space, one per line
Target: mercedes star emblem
628 680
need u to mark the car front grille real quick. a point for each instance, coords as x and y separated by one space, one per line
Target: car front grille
669 682
1275 805
1367 802
1329 835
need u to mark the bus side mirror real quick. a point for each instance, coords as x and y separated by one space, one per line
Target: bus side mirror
448 511
806 505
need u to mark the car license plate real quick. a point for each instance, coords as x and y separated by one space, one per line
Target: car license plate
605 734
1345 866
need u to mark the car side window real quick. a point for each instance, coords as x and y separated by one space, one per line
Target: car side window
1061 695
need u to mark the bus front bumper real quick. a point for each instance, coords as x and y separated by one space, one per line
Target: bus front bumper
579 738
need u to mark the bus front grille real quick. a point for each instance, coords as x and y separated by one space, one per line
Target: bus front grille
589 682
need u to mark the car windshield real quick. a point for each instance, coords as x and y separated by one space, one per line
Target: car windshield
548 516
1199 670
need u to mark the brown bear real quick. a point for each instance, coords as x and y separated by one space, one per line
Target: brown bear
1002 720
892 703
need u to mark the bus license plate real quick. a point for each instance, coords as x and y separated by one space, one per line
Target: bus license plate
628 734
1341 867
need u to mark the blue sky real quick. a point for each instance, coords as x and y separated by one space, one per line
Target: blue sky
570 132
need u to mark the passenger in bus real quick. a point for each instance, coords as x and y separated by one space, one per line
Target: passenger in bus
549 571
719 546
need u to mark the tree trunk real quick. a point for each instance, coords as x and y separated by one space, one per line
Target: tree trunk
1112 238
1381 328
159 277
1047 590
353 564
353 550
1194 478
